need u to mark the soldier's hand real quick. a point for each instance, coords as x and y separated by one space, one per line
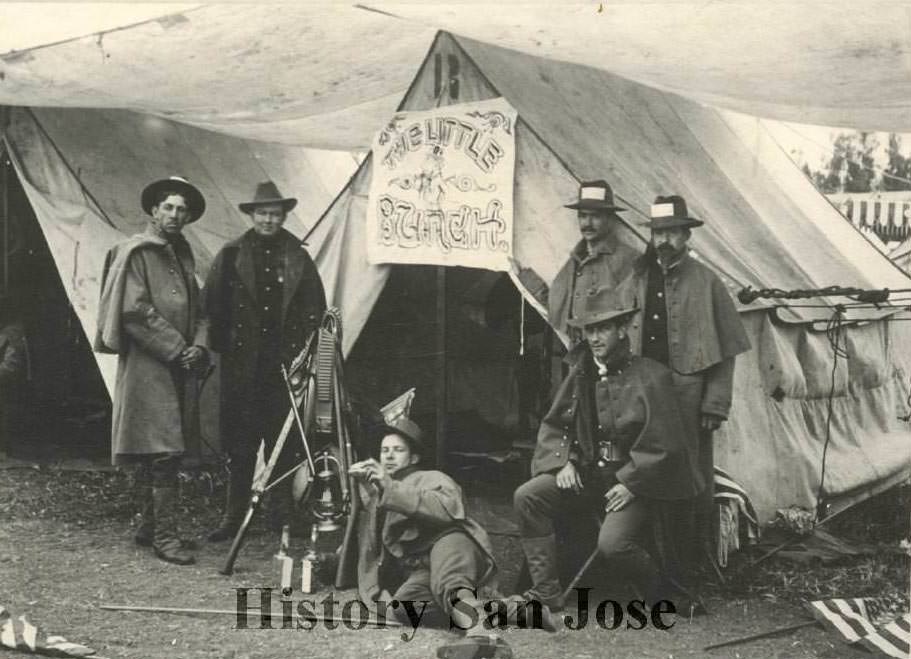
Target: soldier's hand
711 422
191 357
369 471
618 497
568 478
361 470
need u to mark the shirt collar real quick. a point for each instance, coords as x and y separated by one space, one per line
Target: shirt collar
615 366
674 267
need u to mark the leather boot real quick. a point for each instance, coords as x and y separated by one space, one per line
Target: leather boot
521 615
237 497
541 554
167 544
145 532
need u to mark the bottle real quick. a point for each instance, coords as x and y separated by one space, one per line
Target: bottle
309 582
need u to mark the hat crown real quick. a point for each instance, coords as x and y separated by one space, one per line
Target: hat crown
669 212
599 190
267 192
595 196
669 206
196 202
407 428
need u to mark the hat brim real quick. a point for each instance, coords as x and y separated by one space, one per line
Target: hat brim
672 222
600 317
196 202
287 203
593 205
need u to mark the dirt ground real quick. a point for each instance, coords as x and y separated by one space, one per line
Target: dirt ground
66 547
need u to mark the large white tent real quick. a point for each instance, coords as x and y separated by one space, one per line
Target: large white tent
279 79
327 74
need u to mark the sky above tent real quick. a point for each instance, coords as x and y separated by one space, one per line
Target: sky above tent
326 75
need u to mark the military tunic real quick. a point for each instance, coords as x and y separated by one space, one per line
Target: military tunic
149 313
584 273
263 297
415 540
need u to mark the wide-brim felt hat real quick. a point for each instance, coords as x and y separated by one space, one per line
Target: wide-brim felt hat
670 212
605 304
407 429
196 202
267 193
595 196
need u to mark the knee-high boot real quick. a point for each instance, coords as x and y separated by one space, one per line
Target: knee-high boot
167 545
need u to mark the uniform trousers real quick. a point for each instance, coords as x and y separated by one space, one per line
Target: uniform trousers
622 538
453 564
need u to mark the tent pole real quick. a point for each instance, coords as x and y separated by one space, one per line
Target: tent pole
441 368
4 182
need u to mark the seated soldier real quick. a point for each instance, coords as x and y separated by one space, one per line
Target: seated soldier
416 541
612 441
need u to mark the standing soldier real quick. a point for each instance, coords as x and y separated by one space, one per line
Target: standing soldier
690 324
264 297
599 260
149 316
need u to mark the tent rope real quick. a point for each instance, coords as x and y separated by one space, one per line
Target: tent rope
86 193
834 332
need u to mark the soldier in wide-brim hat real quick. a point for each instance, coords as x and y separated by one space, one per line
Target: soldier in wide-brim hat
691 325
264 297
599 260
149 316
610 444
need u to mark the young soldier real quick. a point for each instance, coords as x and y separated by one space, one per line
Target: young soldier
612 443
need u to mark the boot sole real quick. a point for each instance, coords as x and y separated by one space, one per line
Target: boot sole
173 560
190 545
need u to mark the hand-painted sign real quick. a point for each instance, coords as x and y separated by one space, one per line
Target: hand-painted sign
442 187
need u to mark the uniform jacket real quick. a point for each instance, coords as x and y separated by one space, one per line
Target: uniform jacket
418 508
234 325
585 274
636 409
148 315
703 329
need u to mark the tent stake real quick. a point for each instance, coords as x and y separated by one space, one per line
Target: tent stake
761 635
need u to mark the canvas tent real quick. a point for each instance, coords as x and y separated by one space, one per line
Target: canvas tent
317 82
765 226
901 256
82 171
309 73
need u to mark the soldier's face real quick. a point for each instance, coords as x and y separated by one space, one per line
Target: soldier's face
395 454
669 242
170 216
268 219
603 338
594 225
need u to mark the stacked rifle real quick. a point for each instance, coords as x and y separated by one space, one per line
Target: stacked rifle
319 410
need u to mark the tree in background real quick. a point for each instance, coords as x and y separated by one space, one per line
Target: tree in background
897 174
852 166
